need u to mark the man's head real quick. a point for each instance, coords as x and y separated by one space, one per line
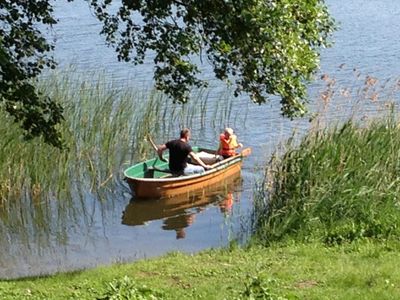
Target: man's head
185 134
180 233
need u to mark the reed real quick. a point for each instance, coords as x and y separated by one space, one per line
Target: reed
337 185
105 130
340 181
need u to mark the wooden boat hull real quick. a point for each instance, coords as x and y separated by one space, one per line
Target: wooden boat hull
147 187
166 188
141 211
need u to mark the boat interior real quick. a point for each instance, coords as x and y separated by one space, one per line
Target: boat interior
155 168
207 156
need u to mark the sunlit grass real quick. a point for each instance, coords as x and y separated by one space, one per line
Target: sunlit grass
362 270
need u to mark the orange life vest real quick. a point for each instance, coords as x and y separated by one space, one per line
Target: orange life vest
227 146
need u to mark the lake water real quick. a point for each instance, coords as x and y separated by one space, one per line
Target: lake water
101 232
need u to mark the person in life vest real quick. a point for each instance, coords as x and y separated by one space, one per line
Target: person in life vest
226 205
228 143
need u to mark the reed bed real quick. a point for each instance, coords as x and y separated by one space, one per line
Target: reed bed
105 130
340 182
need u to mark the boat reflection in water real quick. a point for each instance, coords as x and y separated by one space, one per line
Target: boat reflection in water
179 212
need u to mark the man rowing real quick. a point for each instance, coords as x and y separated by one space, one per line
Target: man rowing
179 150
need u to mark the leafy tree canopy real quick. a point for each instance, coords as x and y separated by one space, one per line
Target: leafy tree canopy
263 47
22 57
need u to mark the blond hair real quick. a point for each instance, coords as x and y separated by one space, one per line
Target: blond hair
229 130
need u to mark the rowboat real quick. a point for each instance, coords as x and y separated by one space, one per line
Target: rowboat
151 178
173 209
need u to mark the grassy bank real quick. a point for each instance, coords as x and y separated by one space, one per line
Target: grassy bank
361 270
328 212
327 215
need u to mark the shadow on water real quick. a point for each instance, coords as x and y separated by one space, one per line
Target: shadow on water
179 212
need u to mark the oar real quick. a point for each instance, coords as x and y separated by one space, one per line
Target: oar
152 142
154 146
245 152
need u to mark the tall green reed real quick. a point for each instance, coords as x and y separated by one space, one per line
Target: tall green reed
105 130
337 185
340 181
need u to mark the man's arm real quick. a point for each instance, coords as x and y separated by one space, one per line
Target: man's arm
199 161
160 150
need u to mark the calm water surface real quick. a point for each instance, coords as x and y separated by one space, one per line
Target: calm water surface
109 227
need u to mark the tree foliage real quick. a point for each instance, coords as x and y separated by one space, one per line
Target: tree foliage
23 52
263 47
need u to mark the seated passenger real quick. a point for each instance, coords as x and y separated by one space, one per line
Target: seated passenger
228 143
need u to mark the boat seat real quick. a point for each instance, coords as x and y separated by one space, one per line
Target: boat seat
168 173
159 170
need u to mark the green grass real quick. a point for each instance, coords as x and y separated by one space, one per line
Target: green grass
328 213
360 270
